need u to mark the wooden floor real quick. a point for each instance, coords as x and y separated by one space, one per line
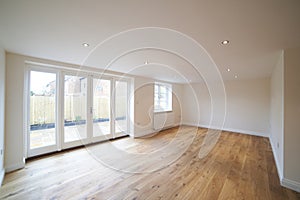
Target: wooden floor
238 167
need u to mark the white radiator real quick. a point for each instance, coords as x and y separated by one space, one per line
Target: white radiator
163 120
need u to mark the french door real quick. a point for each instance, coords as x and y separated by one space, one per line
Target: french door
102 111
121 122
69 109
42 115
75 112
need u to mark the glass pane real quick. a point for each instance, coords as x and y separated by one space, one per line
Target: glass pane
121 107
42 109
169 99
75 108
156 89
162 98
163 89
101 107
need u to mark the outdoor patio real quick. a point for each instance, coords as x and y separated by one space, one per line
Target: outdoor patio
46 137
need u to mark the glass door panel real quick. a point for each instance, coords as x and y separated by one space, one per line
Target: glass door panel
121 108
42 110
101 107
75 108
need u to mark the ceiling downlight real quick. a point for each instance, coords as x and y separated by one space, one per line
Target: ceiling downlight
224 42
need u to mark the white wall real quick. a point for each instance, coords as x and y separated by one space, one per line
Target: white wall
196 104
144 104
2 112
292 118
247 107
276 114
14 134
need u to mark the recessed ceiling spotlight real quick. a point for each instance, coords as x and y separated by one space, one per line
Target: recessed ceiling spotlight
225 42
146 63
235 76
85 44
228 70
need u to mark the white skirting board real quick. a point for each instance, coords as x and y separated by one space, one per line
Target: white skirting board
143 133
293 185
163 120
228 129
14 167
276 160
148 132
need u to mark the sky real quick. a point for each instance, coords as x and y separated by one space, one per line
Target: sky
39 80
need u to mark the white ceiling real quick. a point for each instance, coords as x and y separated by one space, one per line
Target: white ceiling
257 31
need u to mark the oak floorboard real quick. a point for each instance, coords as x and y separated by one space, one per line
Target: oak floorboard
238 167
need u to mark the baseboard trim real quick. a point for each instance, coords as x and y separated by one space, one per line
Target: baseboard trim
152 131
14 167
247 132
228 129
276 160
2 173
144 133
293 185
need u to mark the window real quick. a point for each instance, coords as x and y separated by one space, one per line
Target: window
162 97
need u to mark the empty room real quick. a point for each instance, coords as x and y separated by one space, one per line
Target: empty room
140 99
